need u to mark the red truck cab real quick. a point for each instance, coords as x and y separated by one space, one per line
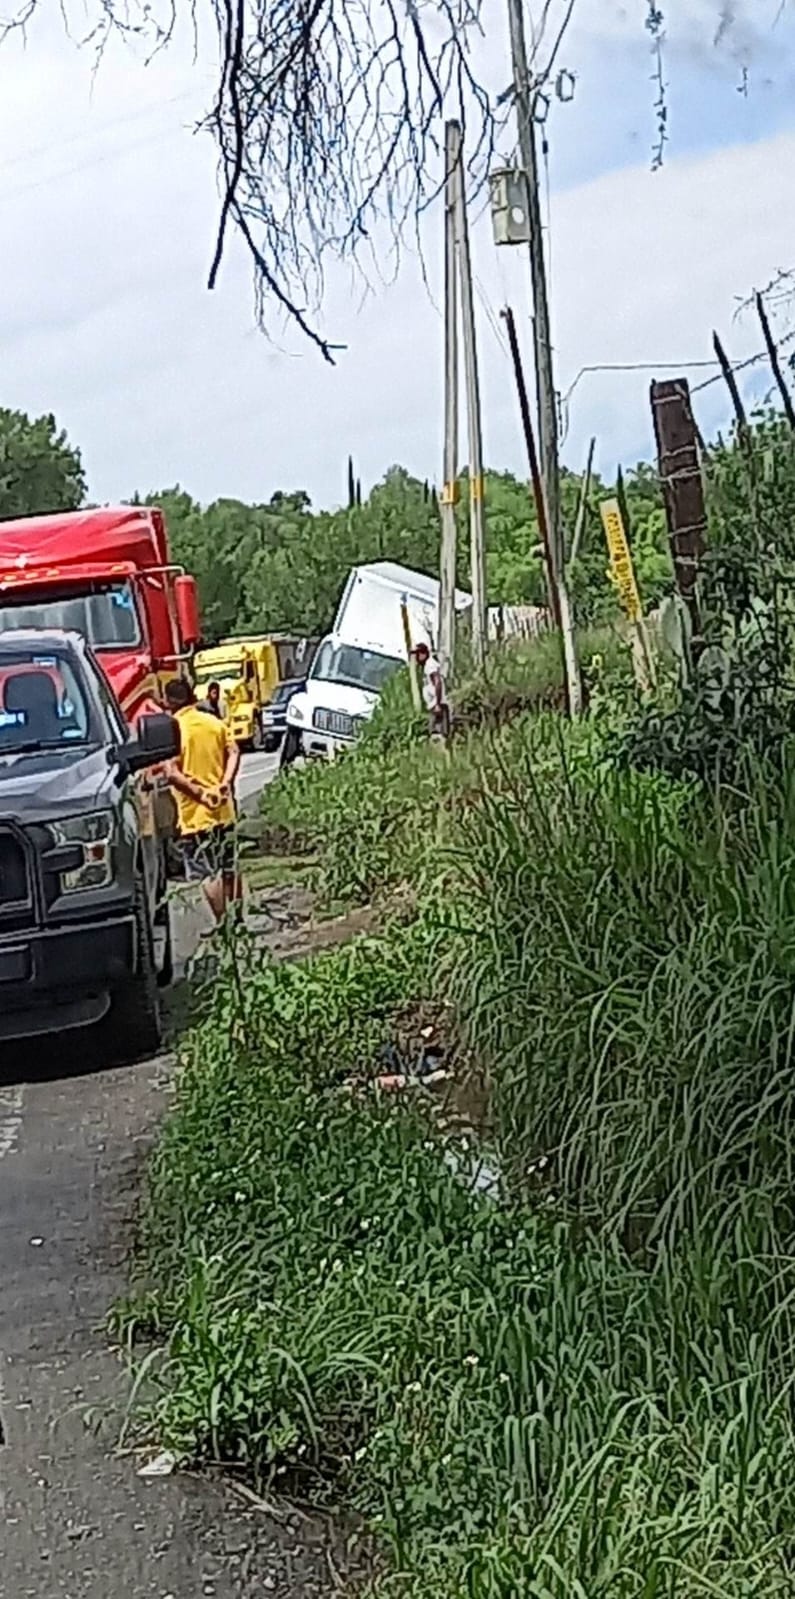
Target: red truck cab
107 574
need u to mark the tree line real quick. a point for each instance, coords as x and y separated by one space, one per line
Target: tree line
282 563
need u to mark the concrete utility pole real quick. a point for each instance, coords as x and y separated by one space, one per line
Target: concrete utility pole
545 385
477 545
447 562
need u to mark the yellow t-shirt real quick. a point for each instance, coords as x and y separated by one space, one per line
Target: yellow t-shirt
206 745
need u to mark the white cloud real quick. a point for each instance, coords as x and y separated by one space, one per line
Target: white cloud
107 211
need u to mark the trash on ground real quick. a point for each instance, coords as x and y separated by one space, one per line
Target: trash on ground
393 1082
160 1465
475 1168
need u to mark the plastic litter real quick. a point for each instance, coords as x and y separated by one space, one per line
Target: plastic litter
160 1465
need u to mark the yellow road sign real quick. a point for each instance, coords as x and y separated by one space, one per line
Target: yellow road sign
620 559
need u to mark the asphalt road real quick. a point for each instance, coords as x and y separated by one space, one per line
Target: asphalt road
76 1519
255 772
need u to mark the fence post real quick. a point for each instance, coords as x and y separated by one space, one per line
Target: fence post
677 439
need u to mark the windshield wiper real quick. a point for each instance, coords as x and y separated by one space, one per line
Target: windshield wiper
32 746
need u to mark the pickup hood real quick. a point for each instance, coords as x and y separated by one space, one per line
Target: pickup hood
54 783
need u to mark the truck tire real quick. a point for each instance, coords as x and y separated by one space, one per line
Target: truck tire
291 748
165 974
133 1027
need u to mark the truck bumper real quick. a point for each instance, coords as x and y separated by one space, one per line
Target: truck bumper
62 977
324 744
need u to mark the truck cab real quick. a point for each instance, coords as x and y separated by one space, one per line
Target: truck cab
107 574
247 671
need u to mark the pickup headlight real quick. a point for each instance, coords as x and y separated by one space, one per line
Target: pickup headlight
294 713
94 834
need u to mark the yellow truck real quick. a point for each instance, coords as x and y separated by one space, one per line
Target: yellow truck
247 671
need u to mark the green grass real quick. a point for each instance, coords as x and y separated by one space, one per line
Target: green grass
512 1404
583 1391
379 816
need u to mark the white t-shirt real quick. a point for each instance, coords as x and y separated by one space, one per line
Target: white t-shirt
431 670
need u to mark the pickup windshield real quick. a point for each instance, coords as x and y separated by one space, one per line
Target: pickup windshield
42 703
106 616
356 668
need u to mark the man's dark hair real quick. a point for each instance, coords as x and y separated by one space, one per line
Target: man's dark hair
213 685
179 693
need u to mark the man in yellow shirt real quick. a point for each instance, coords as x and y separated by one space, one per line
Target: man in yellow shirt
202 778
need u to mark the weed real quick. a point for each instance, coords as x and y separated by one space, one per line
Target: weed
585 1389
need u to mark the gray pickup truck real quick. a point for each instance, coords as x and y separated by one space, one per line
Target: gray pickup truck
84 919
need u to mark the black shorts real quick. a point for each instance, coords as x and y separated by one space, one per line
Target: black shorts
439 721
209 854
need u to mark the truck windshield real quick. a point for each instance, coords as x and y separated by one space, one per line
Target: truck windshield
356 668
42 703
106 617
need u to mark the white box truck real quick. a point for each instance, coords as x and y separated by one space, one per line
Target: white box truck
360 654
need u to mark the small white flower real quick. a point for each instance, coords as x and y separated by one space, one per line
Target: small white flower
471 1360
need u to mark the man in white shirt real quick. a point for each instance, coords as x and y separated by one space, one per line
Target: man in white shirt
433 692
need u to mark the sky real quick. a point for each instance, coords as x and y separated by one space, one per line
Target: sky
108 205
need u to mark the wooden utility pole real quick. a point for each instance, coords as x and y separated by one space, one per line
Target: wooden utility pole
532 458
449 498
542 336
410 656
471 378
556 580
683 492
582 509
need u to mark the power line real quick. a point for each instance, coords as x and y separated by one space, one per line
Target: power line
105 159
635 366
86 133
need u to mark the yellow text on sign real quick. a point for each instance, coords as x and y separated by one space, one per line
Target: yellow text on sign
621 560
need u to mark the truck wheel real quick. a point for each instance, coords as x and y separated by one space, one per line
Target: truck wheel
291 748
134 1025
165 972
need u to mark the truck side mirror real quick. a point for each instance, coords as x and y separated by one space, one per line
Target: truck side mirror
186 595
156 740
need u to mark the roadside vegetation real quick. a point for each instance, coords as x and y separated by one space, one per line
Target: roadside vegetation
532 1327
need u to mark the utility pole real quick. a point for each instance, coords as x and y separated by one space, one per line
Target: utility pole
447 562
545 385
683 493
557 585
477 547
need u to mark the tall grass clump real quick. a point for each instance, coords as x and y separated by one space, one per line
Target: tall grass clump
581 1388
627 969
377 817
512 1404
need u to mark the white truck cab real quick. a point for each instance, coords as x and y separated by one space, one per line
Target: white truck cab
367 645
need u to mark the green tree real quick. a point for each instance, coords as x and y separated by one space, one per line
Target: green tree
40 470
283 565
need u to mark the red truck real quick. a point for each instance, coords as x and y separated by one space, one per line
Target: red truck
107 574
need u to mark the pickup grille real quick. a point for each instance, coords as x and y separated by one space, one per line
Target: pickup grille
336 722
16 897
